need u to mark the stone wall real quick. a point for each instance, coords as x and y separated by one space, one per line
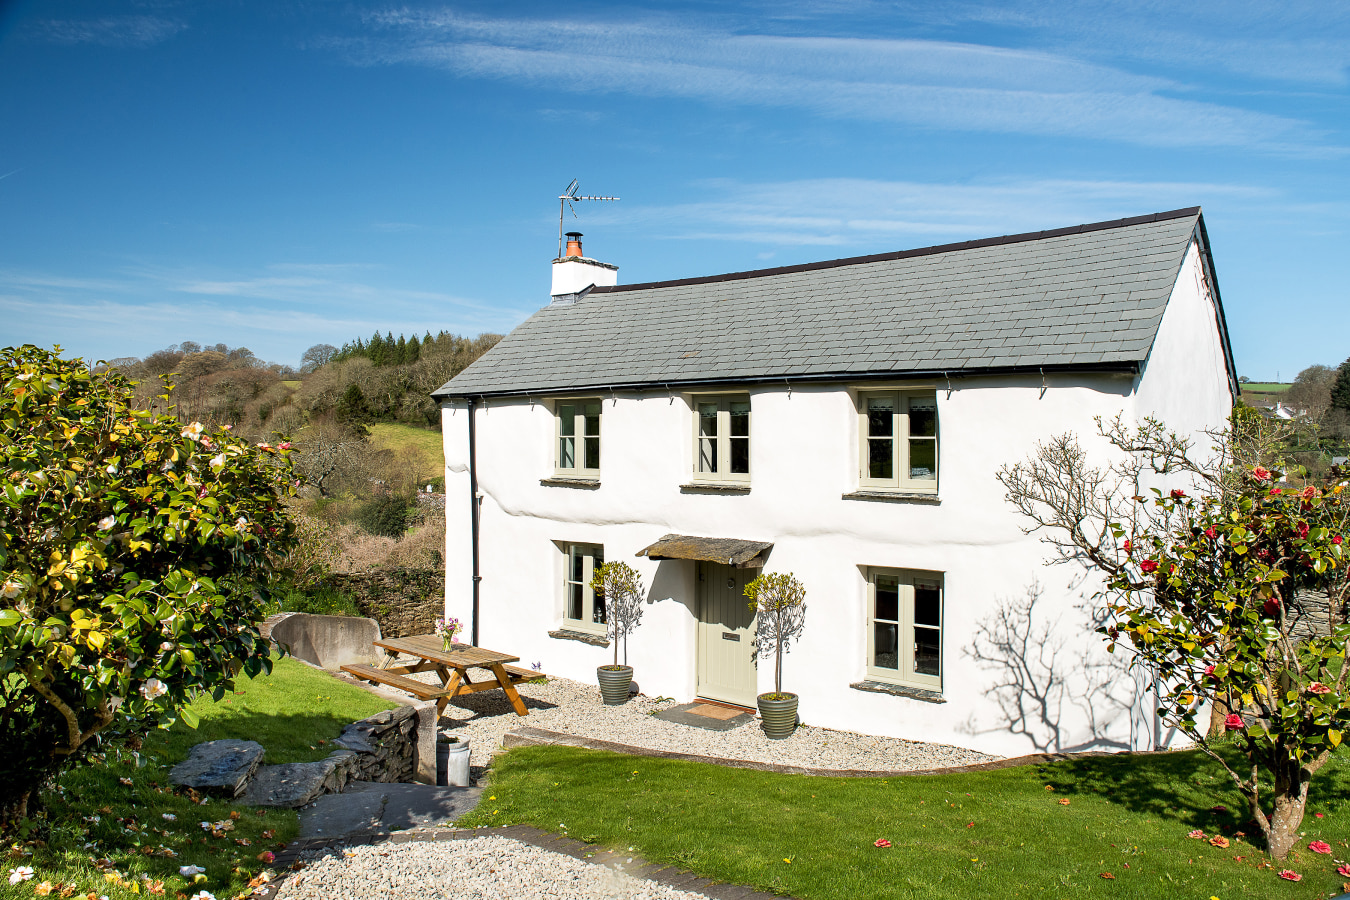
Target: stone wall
383 747
403 601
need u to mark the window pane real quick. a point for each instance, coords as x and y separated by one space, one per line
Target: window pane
598 615
880 416
885 647
707 419
923 459
707 454
592 452
578 565
567 453
597 556
567 419
740 456
888 598
922 417
740 418
593 419
927 605
574 608
927 658
881 459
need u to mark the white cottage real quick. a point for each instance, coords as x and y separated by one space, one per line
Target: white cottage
842 420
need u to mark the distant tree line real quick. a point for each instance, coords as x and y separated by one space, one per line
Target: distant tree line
1322 394
385 351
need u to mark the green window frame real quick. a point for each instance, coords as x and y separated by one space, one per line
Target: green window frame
582 609
905 613
576 442
898 438
722 438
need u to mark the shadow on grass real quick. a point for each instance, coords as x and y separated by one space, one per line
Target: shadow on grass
287 737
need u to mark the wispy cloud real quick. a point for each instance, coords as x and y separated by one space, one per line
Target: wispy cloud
108 31
925 83
863 213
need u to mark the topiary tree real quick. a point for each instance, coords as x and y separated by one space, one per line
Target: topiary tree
780 602
135 555
1230 591
621 587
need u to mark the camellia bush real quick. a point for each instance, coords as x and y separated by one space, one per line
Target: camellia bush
135 556
1231 592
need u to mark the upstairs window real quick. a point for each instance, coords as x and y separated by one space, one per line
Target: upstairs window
582 609
722 438
899 440
578 438
904 628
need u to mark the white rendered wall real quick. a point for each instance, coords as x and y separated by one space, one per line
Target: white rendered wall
804 456
575 273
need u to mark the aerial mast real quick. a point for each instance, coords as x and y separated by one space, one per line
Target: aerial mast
565 201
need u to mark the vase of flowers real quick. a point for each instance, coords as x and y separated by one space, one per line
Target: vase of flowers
779 602
446 629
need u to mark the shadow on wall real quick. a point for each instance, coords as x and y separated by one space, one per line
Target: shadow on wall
1054 681
674 580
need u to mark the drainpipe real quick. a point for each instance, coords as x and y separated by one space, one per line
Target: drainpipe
473 519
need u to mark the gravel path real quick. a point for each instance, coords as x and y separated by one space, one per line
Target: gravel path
485 868
574 708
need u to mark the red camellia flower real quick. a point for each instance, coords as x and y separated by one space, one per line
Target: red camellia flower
1318 687
1291 875
1302 529
1233 721
1270 607
1209 671
1343 871
1211 533
881 842
1337 539
1309 492
1149 565
1177 493
1274 491
1261 474
1320 847
1129 544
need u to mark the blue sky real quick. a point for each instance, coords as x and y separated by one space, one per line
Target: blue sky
279 174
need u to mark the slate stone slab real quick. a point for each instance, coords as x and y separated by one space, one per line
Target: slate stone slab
221 768
370 807
290 784
718 719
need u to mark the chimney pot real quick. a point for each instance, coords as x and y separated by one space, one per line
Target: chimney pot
573 244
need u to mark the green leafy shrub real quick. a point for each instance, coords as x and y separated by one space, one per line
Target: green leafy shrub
135 558
320 600
386 515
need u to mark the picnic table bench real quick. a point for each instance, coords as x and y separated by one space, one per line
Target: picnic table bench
452 666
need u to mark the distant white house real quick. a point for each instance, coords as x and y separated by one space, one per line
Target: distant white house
842 420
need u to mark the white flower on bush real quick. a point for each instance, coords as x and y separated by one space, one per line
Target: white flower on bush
106 523
167 467
190 871
241 523
112 470
194 431
22 873
218 460
166 646
153 688
11 590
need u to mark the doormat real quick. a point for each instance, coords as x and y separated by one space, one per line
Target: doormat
705 715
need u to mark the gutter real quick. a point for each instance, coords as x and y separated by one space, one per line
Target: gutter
1116 368
473 519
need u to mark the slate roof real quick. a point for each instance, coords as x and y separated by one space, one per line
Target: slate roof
1091 296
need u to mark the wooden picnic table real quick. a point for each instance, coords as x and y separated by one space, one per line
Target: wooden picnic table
452 666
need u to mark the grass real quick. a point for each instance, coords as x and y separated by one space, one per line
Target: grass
395 436
119 805
1006 833
1267 387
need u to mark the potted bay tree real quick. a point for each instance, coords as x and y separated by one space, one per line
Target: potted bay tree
620 587
779 600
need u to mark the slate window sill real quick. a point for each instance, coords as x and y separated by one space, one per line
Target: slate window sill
714 487
595 640
895 496
881 687
569 481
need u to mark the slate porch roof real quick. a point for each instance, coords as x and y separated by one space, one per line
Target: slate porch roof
1087 297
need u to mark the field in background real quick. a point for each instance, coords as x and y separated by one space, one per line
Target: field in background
400 438
1264 387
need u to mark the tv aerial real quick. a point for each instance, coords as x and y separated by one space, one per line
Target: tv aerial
568 197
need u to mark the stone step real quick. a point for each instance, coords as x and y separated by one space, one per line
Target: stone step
219 768
369 807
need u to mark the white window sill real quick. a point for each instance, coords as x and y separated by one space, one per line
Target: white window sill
585 637
715 487
899 690
574 481
893 496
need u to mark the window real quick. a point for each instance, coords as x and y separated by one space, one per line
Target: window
578 438
722 438
899 440
904 628
582 609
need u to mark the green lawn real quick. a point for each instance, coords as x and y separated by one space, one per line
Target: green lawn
1267 387
996 834
119 805
395 436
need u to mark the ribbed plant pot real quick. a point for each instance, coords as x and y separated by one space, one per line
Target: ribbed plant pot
614 682
778 717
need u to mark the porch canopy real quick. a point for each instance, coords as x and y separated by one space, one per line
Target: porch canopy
726 551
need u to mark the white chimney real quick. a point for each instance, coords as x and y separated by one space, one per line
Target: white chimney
573 274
